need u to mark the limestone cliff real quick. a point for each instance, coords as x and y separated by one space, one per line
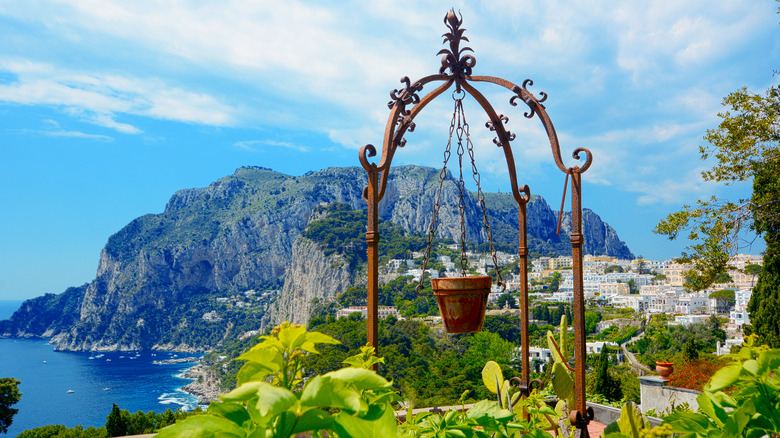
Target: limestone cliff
310 275
159 277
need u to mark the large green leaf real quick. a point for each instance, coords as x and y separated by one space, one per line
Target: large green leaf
269 358
235 412
710 406
243 393
313 419
273 400
725 377
361 379
312 338
751 366
770 359
563 384
326 392
203 426
492 376
688 422
353 426
485 408
291 337
630 421
254 372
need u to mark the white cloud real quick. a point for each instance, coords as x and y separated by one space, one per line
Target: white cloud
98 97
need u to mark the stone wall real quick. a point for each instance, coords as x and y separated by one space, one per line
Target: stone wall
657 395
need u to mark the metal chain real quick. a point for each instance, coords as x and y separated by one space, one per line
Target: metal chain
436 205
464 259
460 127
481 199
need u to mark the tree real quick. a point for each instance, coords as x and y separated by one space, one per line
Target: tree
9 396
632 287
745 146
555 281
753 271
690 351
725 299
613 268
505 299
116 423
605 384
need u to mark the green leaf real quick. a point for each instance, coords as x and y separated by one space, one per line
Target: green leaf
630 421
243 393
688 422
770 359
313 419
203 426
352 426
291 337
235 412
312 338
710 407
563 384
253 372
751 366
724 378
273 400
489 409
491 375
325 392
269 358
360 378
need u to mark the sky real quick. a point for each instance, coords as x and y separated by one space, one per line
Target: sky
109 107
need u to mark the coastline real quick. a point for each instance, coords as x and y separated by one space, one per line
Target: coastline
205 386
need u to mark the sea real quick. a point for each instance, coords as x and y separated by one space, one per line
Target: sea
79 388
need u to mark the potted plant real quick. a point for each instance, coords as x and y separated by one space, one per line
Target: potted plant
664 369
462 302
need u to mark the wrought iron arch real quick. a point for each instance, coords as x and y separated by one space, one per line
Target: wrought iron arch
456 70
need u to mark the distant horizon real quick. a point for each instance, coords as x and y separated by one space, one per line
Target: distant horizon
108 108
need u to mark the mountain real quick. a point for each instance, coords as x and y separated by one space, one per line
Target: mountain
178 279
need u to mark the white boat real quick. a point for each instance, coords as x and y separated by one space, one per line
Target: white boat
70 391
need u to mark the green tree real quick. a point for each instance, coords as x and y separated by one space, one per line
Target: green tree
745 146
116 423
9 396
505 299
604 383
690 351
724 298
613 268
555 282
753 271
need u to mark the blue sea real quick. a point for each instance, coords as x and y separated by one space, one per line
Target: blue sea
79 388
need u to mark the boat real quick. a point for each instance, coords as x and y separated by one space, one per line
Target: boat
70 391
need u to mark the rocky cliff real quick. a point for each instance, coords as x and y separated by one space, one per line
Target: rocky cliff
158 277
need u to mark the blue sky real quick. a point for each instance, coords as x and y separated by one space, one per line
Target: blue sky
108 107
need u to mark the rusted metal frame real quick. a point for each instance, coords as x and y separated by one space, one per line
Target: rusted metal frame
372 241
582 414
393 138
503 138
522 195
373 192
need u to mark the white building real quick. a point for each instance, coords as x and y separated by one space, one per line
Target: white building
692 305
384 311
687 320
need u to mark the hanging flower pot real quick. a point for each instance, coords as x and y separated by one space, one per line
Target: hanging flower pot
462 302
664 369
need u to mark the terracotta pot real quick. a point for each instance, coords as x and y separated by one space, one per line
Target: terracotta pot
462 302
664 369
